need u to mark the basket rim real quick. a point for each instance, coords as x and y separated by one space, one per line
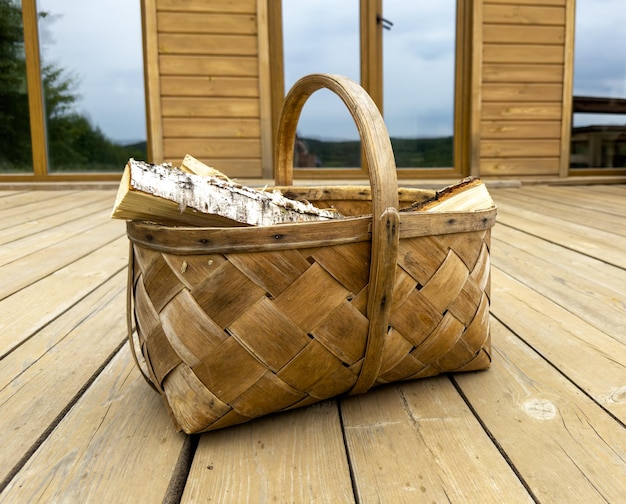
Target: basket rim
179 240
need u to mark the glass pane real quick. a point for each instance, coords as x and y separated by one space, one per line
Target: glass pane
323 37
15 145
92 75
418 81
599 104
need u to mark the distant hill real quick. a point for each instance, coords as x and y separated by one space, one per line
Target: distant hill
409 152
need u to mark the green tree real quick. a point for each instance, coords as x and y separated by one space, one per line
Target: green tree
15 149
73 142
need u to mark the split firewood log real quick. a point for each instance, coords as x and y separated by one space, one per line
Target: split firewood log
202 196
469 195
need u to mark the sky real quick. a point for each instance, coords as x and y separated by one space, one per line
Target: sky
99 42
600 55
418 56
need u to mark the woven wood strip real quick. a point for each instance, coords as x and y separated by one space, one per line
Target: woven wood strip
263 332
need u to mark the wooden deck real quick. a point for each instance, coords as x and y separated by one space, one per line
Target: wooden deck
546 423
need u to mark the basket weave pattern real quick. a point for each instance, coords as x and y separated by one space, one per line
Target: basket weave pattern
236 323
253 333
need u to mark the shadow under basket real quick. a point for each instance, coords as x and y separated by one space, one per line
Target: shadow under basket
236 323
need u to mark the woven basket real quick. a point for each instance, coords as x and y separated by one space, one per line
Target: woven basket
236 323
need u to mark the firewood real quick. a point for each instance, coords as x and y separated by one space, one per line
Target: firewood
191 165
469 195
168 195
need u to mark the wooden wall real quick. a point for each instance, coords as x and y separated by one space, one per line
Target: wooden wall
210 93
525 89
204 77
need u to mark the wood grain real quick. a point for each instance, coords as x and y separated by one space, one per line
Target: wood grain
522 53
199 22
498 166
519 148
209 86
215 6
524 14
297 456
513 111
214 45
553 420
522 72
524 34
521 92
56 362
121 427
388 468
527 130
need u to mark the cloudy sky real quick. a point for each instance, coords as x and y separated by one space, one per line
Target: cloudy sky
323 36
600 55
100 42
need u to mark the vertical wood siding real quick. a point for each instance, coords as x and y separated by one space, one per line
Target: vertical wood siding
208 60
522 87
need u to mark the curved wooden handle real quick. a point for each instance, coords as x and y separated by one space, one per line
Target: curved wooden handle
384 183
129 315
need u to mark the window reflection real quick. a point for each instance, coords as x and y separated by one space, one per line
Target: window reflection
92 77
418 62
15 143
599 102
323 37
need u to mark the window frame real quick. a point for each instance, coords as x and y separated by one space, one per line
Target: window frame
568 108
39 144
371 63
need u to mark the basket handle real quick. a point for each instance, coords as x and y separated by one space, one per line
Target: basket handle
384 185
129 314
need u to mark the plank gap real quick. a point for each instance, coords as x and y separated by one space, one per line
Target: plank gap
60 314
493 439
180 474
59 418
355 492
555 367
579 251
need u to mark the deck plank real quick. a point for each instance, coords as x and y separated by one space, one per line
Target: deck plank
566 211
545 423
40 378
607 190
596 302
13 199
587 269
34 266
6 193
297 456
23 313
419 442
46 204
42 227
599 199
590 358
562 443
116 444
588 240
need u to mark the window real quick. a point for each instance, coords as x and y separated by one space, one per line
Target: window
418 81
73 100
599 104
414 43
317 42
15 141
